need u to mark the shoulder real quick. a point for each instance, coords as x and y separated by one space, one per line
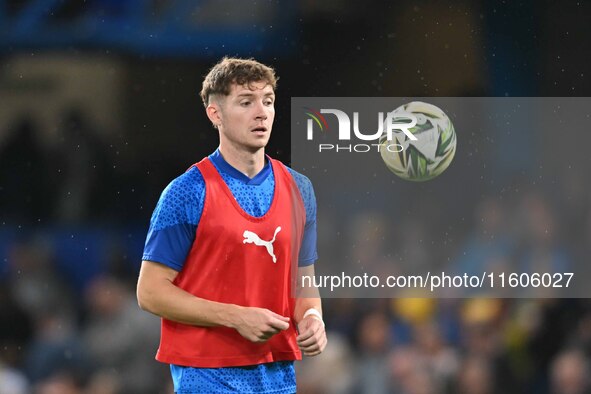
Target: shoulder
181 200
303 182
306 191
186 185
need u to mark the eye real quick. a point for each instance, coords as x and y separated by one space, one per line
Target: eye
268 102
245 103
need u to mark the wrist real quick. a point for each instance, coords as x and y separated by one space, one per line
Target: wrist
230 315
314 313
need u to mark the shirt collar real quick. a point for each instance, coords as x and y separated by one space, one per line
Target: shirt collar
223 166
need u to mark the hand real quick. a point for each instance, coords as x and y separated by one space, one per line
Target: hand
312 339
258 324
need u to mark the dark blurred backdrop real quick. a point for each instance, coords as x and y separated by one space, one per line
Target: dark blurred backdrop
99 110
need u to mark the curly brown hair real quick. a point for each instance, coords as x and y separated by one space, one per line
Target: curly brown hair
235 70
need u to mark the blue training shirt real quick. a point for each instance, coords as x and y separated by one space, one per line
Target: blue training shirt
172 232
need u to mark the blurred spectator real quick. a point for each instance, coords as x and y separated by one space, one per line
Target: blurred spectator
414 311
540 247
35 283
25 191
555 324
581 335
12 381
440 360
61 383
475 376
415 257
427 364
570 373
330 373
84 171
372 361
367 236
340 315
104 382
483 331
56 349
15 330
126 359
488 246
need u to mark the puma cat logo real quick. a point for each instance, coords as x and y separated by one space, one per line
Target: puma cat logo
252 238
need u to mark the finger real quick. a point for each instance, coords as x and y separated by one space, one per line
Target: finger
312 354
312 329
309 331
266 335
258 339
279 324
280 317
270 331
304 336
309 342
314 351
315 338
311 349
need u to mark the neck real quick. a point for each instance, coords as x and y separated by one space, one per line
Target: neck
248 163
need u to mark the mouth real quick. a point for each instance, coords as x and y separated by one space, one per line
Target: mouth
259 129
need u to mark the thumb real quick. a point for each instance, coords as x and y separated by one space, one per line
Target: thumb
281 317
280 322
304 324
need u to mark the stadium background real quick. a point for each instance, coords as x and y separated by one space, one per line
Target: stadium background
99 111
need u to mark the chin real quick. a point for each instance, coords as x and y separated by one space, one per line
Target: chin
260 143
255 147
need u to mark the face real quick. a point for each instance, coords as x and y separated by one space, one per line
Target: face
244 117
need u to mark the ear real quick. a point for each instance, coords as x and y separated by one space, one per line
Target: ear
213 112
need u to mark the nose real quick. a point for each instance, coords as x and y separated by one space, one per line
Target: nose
260 113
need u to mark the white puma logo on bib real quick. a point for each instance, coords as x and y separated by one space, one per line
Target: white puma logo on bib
252 238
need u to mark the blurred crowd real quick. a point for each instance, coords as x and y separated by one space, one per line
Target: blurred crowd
54 342
62 333
69 317
74 177
468 345
69 320
473 346
55 339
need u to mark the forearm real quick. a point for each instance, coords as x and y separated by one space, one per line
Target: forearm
303 304
307 297
159 295
175 304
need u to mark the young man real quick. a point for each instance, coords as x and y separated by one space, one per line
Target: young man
226 242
